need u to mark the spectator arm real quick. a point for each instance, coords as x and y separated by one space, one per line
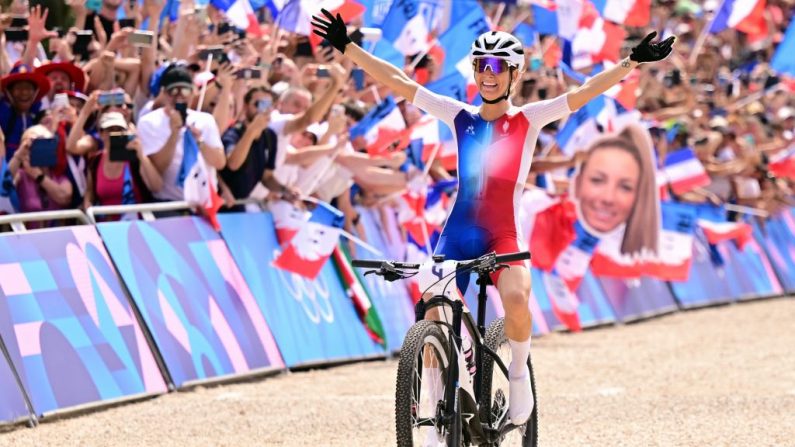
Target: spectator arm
59 192
150 174
162 158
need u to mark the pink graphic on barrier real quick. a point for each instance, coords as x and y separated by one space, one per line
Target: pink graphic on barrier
173 323
226 265
150 372
79 266
13 280
28 338
227 337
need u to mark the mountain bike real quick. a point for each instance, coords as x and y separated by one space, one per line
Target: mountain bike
452 380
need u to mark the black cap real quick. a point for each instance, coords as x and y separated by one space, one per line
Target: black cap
176 76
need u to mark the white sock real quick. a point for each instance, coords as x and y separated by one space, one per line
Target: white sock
520 351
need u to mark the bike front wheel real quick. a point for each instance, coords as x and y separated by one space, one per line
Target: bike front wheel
420 390
494 390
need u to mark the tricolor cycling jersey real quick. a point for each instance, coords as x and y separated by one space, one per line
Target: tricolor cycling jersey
494 160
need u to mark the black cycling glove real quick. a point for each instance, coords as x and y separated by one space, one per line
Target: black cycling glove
332 29
646 51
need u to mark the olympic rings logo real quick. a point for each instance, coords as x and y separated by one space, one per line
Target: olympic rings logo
312 295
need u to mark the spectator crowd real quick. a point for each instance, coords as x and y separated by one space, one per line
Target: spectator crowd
112 111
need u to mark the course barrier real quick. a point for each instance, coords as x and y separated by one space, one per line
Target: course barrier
93 314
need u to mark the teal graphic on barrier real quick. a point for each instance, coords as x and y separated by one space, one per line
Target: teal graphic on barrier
12 403
312 320
391 299
67 324
200 311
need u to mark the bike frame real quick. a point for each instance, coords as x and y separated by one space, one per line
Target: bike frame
477 330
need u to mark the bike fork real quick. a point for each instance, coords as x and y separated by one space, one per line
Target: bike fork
451 392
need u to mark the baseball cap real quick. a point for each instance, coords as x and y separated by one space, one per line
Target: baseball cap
176 76
112 119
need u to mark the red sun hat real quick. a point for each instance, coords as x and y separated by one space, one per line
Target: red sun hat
22 72
75 73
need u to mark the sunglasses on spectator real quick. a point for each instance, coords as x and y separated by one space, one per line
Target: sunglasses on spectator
496 65
184 91
125 106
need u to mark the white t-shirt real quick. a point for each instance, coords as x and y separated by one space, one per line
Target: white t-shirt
285 174
154 130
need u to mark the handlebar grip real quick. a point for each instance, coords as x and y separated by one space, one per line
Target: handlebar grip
367 264
510 257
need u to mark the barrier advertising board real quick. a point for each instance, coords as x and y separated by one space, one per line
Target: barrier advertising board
200 311
67 324
312 320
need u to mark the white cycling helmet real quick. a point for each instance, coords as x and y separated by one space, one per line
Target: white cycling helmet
498 44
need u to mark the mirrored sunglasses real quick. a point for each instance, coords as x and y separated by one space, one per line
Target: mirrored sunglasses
184 91
496 65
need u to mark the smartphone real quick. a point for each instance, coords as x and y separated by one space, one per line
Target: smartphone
111 99
201 14
43 152
60 101
322 73
263 105
358 78
542 93
248 73
371 34
16 35
216 51
182 108
223 28
82 39
118 147
126 23
18 22
94 5
141 38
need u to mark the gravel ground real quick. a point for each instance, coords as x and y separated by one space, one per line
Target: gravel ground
714 377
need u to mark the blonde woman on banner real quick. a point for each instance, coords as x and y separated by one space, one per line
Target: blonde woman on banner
616 196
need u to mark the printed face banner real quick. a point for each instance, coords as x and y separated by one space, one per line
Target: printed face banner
391 299
12 404
312 320
67 324
617 201
202 315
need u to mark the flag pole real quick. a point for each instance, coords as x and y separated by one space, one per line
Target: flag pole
746 210
703 36
204 86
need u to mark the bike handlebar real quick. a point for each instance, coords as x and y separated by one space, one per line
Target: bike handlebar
499 259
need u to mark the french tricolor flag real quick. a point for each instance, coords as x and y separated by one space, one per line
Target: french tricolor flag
684 171
595 40
744 15
313 244
296 15
782 163
406 27
240 14
717 228
382 126
626 12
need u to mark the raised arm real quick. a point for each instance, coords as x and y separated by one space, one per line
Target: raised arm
645 51
334 30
